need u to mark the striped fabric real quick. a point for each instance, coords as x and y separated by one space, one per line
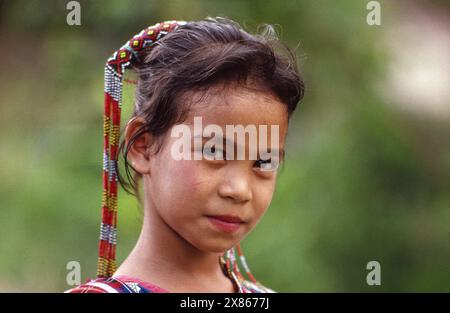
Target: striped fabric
126 284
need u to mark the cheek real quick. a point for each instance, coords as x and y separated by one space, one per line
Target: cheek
188 177
183 187
263 197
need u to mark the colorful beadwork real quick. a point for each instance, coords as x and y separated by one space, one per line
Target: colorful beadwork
122 59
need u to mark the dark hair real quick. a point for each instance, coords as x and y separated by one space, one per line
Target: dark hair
196 57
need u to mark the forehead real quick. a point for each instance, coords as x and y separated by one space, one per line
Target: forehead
238 106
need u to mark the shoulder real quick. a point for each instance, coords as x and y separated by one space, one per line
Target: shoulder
115 285
251 287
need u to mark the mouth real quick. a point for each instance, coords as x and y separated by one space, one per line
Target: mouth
226 223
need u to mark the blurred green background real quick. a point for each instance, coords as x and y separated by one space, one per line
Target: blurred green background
367 175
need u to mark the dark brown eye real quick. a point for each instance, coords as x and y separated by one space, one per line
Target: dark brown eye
266 165
259 162
214 152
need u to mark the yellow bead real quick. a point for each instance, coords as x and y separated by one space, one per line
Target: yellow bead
106 124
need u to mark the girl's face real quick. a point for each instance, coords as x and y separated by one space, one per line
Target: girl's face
191 195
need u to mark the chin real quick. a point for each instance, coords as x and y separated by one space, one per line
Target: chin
215 245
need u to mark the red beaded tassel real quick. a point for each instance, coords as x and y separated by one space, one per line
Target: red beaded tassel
245 265
127 55
233 270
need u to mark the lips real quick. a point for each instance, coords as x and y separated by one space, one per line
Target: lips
226 223
227 218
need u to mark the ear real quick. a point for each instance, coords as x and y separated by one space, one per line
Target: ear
139 152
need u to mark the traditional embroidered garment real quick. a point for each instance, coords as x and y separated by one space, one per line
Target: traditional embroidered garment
127 284
117 284
129 55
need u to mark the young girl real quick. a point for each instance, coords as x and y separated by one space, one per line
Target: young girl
198 208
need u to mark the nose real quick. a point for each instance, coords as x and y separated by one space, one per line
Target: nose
236 186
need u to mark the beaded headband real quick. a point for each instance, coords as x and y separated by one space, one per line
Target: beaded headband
128 55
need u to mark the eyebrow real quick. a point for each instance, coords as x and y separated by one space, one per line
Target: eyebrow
281 151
